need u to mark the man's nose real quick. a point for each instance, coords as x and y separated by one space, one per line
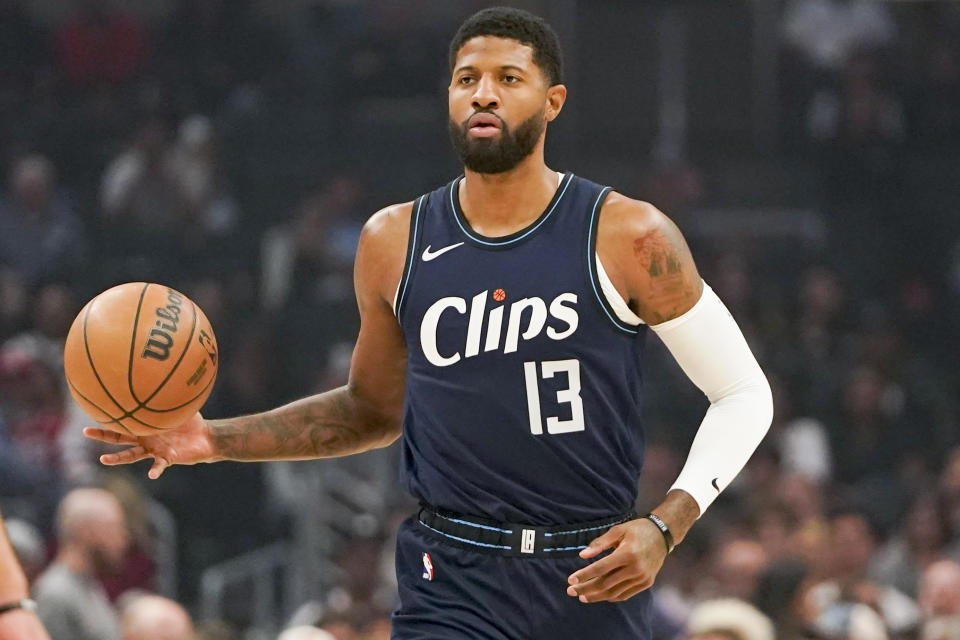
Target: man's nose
486 97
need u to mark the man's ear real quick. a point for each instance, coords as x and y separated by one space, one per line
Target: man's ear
556 96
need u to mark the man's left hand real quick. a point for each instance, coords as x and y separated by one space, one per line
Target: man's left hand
638 553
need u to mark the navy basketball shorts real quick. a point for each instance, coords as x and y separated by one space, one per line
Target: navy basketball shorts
451 591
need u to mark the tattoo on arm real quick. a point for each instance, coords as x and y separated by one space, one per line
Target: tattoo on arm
661 254
321 426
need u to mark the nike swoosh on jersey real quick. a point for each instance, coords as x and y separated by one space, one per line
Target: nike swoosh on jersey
428 255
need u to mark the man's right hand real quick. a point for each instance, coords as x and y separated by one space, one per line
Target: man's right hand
189 443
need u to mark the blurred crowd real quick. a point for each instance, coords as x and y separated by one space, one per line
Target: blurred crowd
234 149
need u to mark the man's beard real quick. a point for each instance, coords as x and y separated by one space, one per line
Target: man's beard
497 154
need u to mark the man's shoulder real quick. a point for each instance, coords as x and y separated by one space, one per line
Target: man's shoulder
58 583
380 254
389 218
624 222
621 213
397 216
74 606
388 229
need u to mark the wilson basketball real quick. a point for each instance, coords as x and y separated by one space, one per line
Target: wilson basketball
140 358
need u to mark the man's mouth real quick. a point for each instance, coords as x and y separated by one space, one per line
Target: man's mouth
484 125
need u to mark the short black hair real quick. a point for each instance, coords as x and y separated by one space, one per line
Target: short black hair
519 25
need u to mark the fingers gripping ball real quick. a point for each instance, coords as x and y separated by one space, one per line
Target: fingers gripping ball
140 358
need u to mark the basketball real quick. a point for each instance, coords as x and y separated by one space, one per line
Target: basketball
140 358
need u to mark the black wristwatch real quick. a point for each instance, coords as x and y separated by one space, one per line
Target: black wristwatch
26 603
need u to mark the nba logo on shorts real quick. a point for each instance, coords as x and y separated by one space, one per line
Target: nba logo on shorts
427 567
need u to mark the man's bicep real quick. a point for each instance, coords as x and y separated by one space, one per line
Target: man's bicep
663 276
378 366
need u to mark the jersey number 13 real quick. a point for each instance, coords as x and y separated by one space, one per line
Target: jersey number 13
571 395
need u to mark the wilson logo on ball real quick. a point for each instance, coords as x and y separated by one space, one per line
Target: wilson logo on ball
160 340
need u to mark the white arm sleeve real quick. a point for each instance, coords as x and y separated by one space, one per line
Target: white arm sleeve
711 350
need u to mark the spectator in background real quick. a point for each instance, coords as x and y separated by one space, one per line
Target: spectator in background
854 542
940 601
40 235
146 212
152 617
100 44
758 485
921 541
737 568
827 32
139 174
138 571
92 538
305 633
33 399
780 595
848 621
774 525
31 403
307 279
914 393
53 308
802 442
31 423
728 619
55 431
195 165
822 322
847 585
317 243
867 435
819 37
801 498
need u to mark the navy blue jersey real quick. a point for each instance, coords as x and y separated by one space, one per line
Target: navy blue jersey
522 386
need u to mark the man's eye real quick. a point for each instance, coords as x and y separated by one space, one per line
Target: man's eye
465 80
511 79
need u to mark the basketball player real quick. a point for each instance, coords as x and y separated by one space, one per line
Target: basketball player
502 328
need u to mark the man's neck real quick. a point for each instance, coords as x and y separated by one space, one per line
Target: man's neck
74 559
502 203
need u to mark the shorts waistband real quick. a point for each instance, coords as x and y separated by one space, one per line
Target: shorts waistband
512 539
